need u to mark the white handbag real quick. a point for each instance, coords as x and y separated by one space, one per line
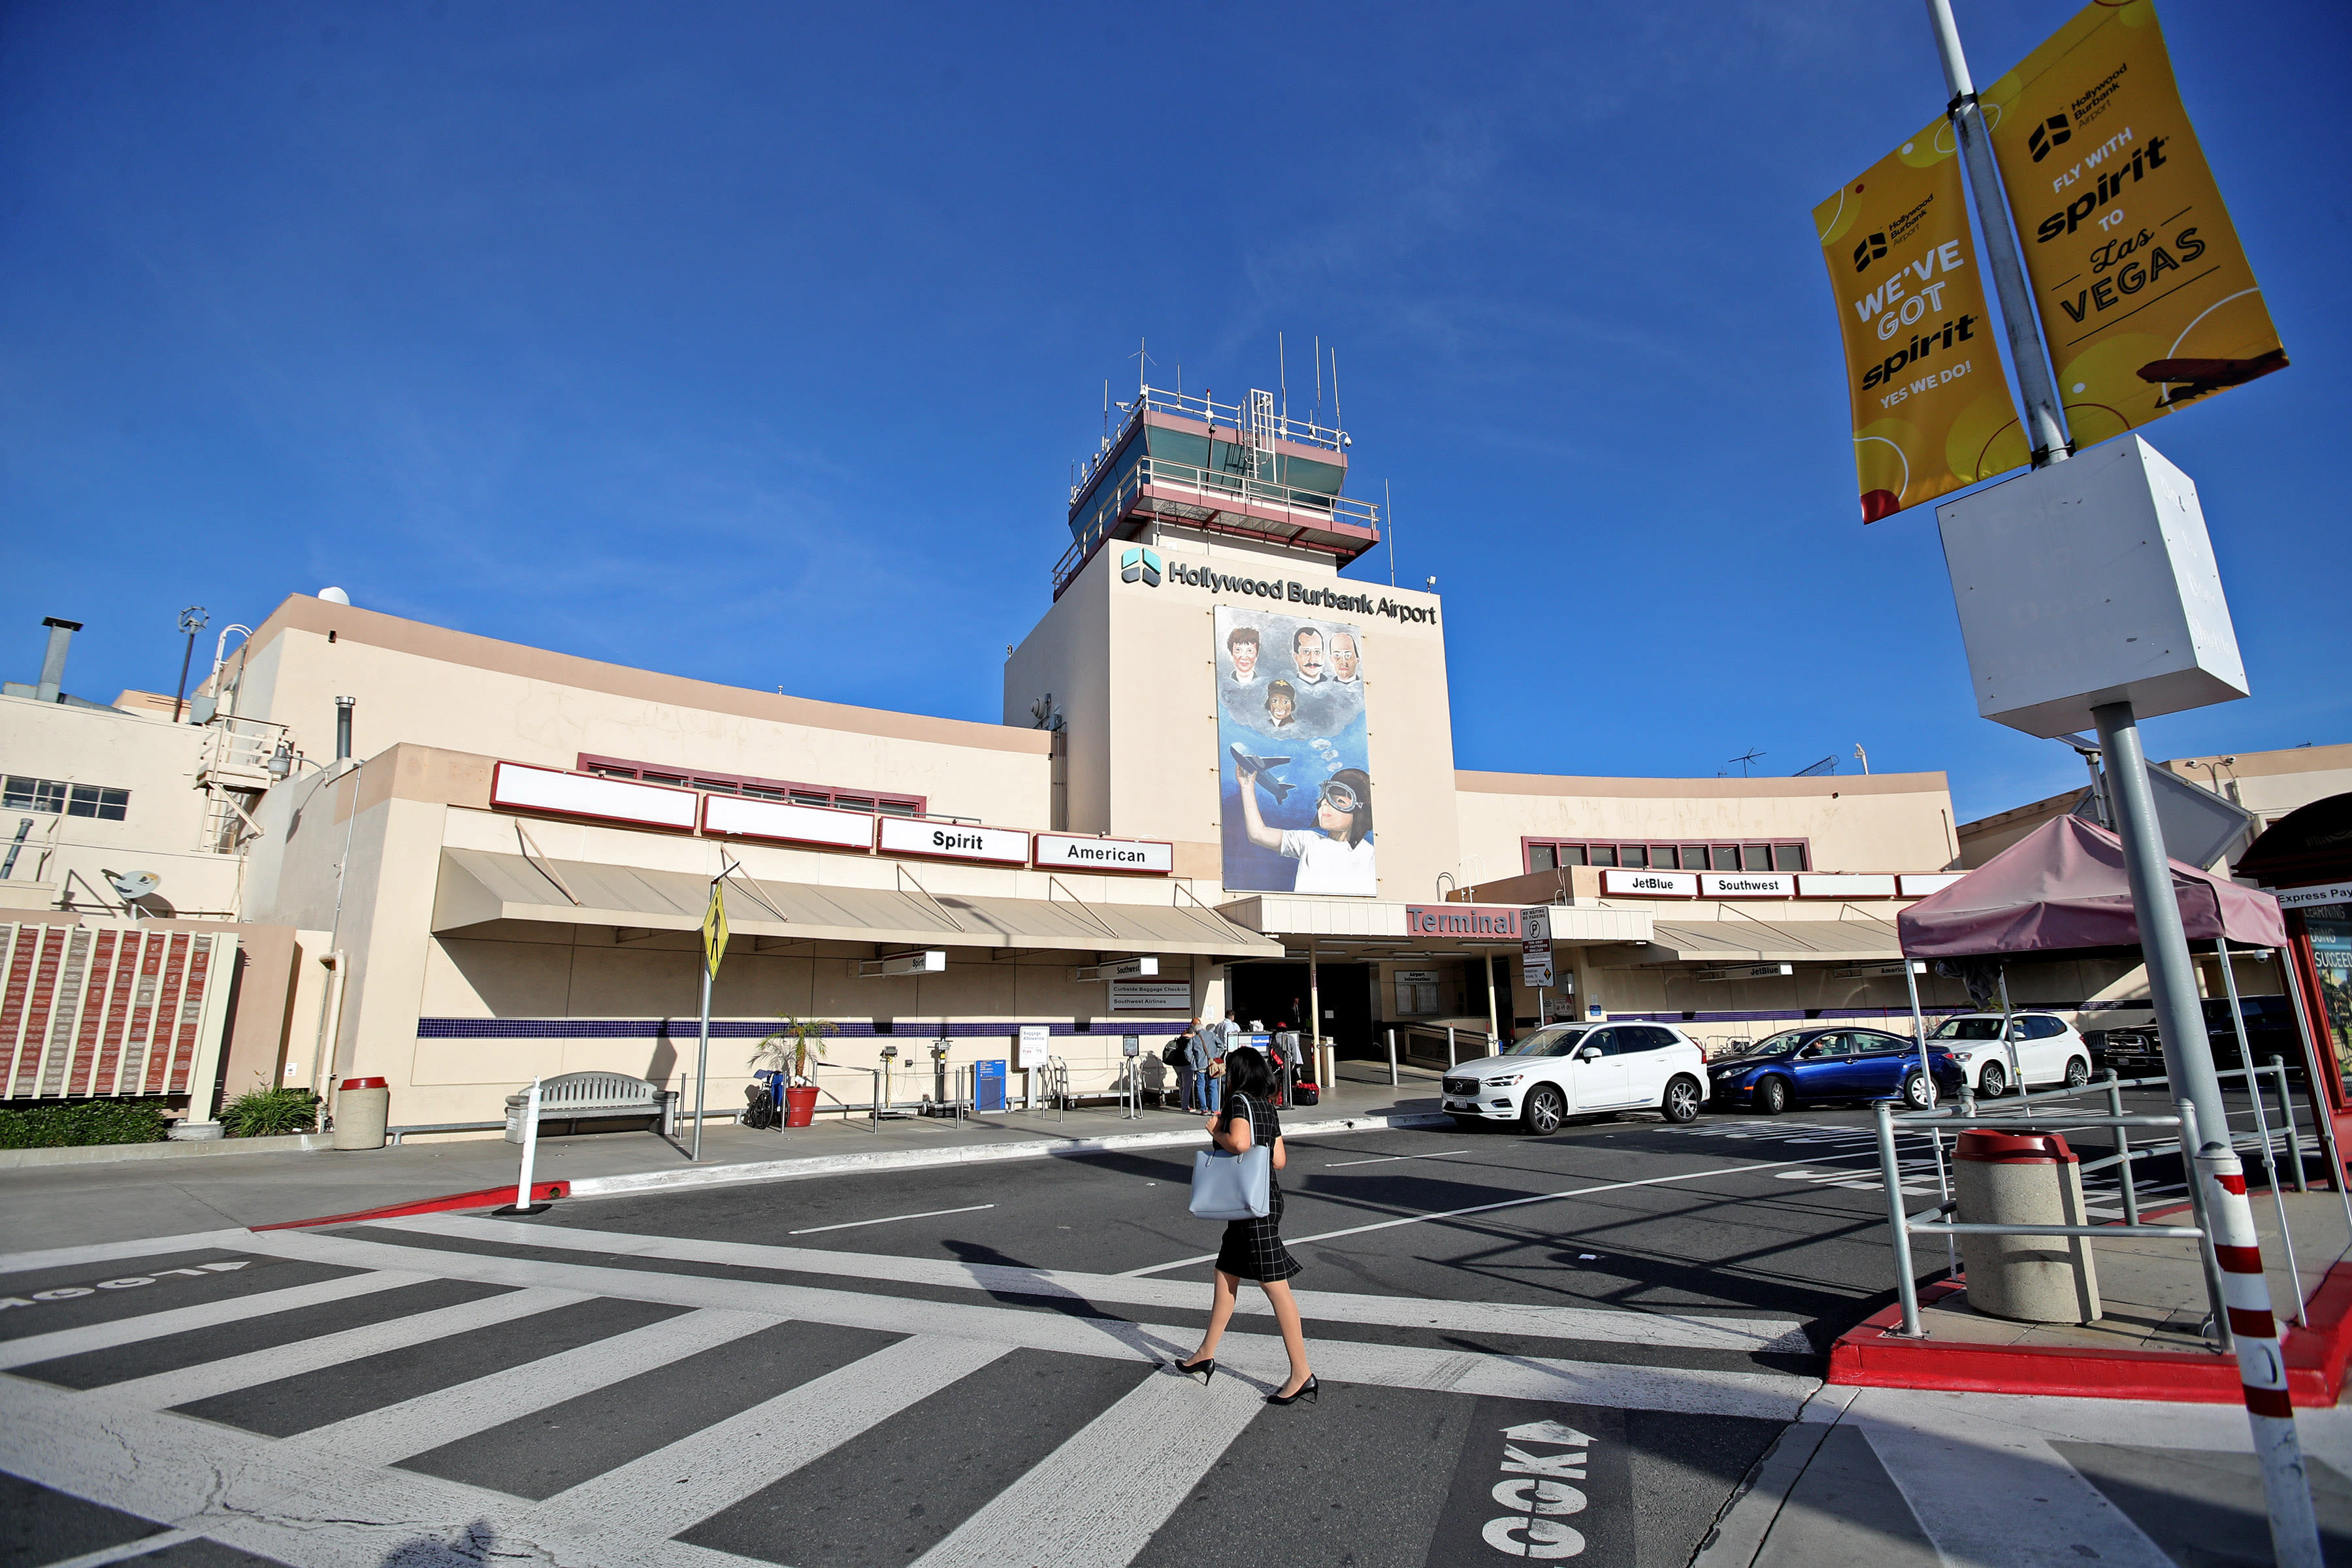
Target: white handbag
1233 1186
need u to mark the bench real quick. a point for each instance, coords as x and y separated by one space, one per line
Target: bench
592 1102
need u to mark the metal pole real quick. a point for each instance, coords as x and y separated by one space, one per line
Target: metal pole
2172 977
1897 1222
1449 1049
2045 414
1315 1007
2262 1121
2008 1036
2318 1048
2123 1150
702 1064
1392 1067
2286 1119
2216 1295
1919 1033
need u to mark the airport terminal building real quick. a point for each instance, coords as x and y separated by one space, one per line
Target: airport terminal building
1222 778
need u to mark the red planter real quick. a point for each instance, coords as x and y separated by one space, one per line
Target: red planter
799 1105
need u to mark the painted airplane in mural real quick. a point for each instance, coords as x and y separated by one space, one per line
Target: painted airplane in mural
1244 763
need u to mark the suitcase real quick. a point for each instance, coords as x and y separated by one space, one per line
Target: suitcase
1305 1094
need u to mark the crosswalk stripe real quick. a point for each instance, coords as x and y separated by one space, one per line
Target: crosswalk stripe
674 1487
1767 1395
208 1315
187 1384
426 1422
1595 1324
146 1545
114 1251
1066 1510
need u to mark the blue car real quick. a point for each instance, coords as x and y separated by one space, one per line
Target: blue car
1798 1065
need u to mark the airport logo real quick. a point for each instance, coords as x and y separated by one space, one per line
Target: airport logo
1142 563
2051 133
1869 250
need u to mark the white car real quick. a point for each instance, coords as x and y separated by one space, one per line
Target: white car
2041 1049
1581 1070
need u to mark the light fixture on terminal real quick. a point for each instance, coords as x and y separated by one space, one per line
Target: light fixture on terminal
1746 972
1875 970
923 960
1125 969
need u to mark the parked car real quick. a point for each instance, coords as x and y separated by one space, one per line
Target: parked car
2136 1049
1832 1062
1581 1069
2042 1049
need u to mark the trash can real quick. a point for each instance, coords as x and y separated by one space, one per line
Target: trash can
2025 1178
363 1105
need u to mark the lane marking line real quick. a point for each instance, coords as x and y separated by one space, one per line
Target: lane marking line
1504 1204
1383 1159
889 1219
144 1546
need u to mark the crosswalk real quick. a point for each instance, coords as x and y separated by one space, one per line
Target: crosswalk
449 1388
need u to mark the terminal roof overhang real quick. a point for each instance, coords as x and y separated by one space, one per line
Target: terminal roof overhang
1863 941
481 887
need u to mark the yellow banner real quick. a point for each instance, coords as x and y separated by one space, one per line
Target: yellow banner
1931 409
714 930
2143 290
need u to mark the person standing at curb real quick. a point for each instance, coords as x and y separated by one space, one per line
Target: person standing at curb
1185 1059
1253 1248
1204 1052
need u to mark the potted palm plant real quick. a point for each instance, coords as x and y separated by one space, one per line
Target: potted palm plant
792 1049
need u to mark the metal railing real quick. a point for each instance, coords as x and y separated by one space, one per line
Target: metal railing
1210 488
1233 416
2019 1114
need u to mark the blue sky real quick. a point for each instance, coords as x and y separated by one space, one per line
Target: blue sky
754 342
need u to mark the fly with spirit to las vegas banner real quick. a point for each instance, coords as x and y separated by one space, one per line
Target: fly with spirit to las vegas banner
2143 290
1931 408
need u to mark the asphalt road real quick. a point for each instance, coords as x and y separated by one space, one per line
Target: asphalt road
1567 1347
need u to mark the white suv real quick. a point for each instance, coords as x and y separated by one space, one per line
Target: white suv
1581 1070
2041 1049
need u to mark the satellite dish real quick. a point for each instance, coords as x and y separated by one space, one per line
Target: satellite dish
334 596
134 885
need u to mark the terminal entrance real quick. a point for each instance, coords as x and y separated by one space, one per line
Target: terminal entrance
1276 994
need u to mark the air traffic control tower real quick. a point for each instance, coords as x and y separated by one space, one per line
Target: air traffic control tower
1194 522
1243 470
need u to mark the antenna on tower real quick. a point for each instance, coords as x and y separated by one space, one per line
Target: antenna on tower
1106 411
1281 376
1143 377
1319 376
1336 421
1387 515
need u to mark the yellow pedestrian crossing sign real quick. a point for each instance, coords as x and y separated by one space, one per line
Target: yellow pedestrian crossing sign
714 930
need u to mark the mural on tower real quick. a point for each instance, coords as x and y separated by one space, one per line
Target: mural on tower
1294 768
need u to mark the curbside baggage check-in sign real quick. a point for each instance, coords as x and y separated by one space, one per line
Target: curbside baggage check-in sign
2143 290
1931 407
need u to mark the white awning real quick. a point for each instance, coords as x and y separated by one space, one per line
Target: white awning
1772 941
479 887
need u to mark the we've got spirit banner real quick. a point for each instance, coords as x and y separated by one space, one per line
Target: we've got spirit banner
1931 409
2143 289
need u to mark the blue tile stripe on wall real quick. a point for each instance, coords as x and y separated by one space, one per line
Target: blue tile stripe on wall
737 1029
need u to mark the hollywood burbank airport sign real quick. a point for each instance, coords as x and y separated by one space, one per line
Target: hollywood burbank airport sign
1149 567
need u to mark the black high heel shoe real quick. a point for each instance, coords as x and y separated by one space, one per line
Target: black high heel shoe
1311 1391
1205 1368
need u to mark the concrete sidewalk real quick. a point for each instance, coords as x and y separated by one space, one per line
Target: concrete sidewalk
66 1205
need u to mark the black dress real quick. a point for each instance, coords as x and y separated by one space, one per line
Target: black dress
1253 1248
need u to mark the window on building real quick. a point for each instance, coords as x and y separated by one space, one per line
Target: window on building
753 789
1787 854
62 798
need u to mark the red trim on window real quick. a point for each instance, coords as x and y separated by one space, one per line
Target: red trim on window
833 796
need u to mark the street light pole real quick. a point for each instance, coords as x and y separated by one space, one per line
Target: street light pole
191 621
2045 414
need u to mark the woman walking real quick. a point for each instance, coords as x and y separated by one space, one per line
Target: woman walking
1253 1248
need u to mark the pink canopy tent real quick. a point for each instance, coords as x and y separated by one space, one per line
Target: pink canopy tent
2063 887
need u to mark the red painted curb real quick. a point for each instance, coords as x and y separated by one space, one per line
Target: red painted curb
488 1197
1869 1355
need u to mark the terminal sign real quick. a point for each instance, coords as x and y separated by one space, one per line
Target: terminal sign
953 841
1075 852
1461 920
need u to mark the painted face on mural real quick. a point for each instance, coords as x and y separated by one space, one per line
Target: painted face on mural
1281 703
1343 656
1306 653
1243 649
